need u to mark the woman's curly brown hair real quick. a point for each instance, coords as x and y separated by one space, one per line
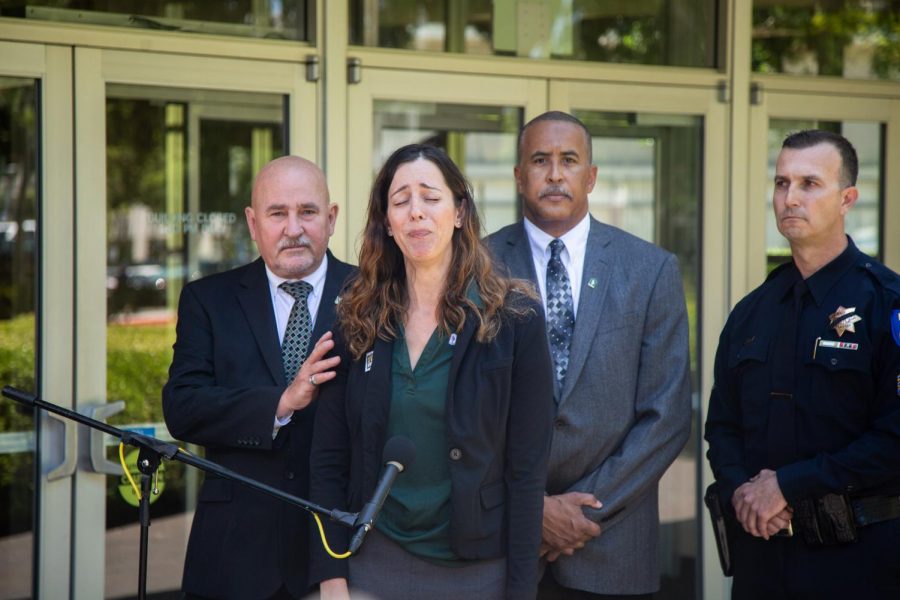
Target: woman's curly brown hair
376 301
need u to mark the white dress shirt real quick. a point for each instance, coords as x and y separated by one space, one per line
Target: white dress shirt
572 256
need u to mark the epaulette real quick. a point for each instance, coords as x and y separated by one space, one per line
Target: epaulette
880 273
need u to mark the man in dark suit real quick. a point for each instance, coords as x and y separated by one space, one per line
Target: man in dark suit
618 334
242 384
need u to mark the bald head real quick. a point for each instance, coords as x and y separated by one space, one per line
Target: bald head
280 171
290 216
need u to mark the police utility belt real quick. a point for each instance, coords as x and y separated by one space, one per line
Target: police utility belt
829 520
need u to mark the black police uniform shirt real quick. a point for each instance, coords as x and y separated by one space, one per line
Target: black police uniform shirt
840 430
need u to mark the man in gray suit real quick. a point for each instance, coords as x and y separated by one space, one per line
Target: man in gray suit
618 333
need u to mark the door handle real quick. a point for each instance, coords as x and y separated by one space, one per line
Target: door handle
99 462
69 447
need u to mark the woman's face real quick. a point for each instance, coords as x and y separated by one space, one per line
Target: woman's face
422 214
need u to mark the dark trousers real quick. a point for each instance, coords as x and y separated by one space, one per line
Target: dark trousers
550 589
789 569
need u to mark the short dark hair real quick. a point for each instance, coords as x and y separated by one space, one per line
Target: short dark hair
808 138
556 115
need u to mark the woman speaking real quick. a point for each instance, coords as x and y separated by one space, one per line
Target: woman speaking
437 347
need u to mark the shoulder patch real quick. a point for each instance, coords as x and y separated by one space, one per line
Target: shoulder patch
895 326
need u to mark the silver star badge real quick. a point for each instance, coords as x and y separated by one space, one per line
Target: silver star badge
843 319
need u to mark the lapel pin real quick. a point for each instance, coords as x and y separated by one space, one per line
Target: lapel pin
592 283
370 358
452 339
337 299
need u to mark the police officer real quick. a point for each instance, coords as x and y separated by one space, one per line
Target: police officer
804 419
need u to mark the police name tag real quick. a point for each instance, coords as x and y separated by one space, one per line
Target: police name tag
838 345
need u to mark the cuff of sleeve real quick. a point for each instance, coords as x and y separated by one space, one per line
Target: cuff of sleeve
798 480
279 423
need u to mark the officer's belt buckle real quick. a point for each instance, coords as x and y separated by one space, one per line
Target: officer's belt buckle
786 532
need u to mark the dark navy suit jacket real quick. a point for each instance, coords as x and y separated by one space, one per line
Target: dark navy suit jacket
224 385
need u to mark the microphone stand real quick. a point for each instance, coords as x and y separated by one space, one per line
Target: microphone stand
151 453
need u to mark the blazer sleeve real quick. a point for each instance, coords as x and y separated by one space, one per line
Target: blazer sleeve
724 426
529 430
330 470
662 405
196 408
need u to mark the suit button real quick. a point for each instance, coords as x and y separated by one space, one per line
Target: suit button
289 475
455 454
559 422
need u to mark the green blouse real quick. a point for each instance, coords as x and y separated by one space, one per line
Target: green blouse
416 514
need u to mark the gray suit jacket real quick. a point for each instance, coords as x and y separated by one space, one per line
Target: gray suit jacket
624 411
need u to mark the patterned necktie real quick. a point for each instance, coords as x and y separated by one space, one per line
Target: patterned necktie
298 330
560 311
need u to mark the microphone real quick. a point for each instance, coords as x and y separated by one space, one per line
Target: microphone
399 453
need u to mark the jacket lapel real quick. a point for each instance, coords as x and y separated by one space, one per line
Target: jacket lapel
376 403
463 340
516 255
256 302
334 283
594 284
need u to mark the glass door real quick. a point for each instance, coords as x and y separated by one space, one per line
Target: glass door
476 119
36 451
170 148
661 176
873 127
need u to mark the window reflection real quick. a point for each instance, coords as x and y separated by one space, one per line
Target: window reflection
863 222
480 139
857 39
639 31
180 166
272 19
649 183
18 263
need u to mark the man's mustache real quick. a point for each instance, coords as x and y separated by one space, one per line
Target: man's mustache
555 191
286 243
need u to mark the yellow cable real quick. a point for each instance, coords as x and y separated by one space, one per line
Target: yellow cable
137 490
325 542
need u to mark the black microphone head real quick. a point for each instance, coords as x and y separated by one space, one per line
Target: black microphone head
400 449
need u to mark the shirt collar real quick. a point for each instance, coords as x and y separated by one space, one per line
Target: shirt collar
316 279
574 239
821 282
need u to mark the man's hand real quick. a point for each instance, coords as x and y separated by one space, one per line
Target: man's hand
301 392
780 521
759 501
565 528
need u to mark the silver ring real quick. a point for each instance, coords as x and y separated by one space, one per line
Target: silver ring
312 380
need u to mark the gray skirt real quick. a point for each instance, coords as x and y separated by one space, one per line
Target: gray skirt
385 571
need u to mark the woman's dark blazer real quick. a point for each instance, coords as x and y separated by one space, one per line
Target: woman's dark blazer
499 421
